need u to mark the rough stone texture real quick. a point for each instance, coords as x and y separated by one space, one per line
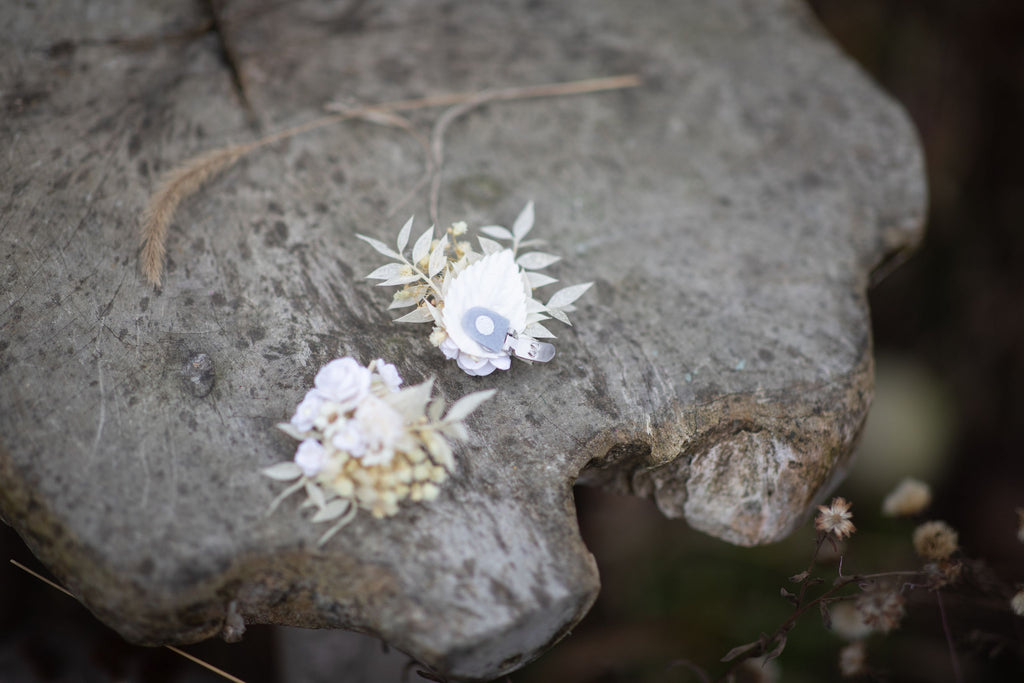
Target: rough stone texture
732 212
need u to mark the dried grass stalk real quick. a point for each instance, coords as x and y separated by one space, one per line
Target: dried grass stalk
178 184
184 180
65 591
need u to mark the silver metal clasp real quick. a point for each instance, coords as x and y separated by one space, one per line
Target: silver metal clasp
528 348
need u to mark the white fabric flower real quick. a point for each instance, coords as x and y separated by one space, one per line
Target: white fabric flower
343 381
346 436
381 426
474 365
389 446
307 411
489 292
311 457
388 373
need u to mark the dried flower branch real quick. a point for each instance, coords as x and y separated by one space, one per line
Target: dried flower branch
865 603
184 180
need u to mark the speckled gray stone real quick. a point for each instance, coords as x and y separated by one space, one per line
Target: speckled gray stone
732 212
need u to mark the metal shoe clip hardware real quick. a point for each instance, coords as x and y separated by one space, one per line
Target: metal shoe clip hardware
491 331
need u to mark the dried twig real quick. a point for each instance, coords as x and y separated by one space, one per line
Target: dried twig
184 180
437 148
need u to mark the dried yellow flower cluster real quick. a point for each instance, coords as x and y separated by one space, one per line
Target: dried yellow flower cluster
365 442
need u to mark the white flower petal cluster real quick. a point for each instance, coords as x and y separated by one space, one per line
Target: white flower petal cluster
366 442
475 299
494 284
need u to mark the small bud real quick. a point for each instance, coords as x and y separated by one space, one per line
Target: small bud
847 622
1017 603
881 607
909 498
852 659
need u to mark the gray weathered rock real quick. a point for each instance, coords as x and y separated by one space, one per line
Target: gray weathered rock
732 211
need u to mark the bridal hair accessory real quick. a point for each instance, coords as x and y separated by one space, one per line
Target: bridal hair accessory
482 302
366 442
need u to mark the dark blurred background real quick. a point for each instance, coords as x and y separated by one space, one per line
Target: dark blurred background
949 335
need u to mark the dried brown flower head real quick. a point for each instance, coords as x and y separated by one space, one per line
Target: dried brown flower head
852 659
909 498
882 607
835 518
943 573
935 540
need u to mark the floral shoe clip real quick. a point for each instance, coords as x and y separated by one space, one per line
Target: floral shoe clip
481 302
366 442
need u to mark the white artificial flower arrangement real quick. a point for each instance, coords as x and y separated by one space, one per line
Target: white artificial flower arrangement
481 302
365 442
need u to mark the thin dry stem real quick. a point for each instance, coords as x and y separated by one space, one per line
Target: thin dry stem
65 591
393 120
184 180
590 85
437 149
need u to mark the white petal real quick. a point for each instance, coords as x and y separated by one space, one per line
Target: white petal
489 246
564 297
497 232
494 283
538 331
467 404
535 260
283 471
403 236
540 279
333 510
404 302
399 280
559 315
524 222
411 402
386 272
420 315
438 257
381 247
422 245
